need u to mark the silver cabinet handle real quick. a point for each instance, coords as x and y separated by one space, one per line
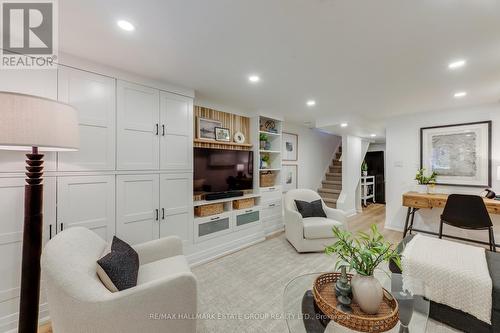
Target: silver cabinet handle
157 129
163 213
163 129
215 218
249 211
272 205
157 214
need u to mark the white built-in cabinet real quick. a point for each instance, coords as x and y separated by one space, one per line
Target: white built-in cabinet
137 207
176 203
176 132
93 96
87 201
132 176
138 127
155 129
153 206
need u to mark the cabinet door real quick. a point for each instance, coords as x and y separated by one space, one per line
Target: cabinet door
87 201
94 97
41 83
137 208
138 127
176 202
11 237
176 140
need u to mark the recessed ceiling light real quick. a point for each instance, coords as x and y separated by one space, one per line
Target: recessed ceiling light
343 125
311 103
457 64
125 25
254 78
460 94
373 135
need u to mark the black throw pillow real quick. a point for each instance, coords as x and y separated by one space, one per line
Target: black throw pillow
310 209
118 269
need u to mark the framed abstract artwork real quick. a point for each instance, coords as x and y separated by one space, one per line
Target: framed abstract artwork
460 154
206 128
290 147
289 174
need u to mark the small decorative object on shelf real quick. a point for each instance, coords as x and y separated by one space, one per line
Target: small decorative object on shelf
264 161
363 253
364 169
206 128
267 179
426 184
263 138
239 137
343 291
268 125
222 134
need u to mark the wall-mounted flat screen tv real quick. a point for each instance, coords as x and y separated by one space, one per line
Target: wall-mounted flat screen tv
217 170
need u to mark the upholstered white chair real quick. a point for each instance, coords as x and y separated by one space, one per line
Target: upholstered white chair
80 303
310 234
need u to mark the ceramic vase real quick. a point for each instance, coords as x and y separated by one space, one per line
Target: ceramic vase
421 188
367 292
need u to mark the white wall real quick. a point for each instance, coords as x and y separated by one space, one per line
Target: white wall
403 161
316 149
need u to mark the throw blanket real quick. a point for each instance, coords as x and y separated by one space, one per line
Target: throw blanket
454 274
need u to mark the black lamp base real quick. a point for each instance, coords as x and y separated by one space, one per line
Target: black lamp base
32 243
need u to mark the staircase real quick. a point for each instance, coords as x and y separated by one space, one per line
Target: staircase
332 185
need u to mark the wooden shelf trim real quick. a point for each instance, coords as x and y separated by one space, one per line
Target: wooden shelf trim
200 143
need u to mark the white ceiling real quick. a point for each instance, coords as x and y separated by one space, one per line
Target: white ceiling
360 60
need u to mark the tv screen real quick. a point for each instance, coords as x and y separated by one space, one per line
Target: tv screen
217 170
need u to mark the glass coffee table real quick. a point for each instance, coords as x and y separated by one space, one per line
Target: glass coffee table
303 316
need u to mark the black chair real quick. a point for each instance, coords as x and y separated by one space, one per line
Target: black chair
467 212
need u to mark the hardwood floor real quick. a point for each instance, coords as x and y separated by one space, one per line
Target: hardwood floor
373 214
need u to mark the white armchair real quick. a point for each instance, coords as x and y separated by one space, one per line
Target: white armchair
310 234
80 303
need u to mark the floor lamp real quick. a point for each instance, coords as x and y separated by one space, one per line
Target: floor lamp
34 124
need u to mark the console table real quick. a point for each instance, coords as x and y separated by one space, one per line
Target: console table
415 201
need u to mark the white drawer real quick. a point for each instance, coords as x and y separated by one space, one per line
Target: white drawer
245 218
270 193
212 226
272 209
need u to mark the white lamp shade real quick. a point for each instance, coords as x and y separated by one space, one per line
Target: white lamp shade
28 121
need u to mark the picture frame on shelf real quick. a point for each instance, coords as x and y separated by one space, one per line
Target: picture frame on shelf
206 128
460 154
289 177
222 134
290 147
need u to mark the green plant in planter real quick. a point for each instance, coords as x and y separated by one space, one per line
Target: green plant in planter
425 180
364 166
363 252
263 137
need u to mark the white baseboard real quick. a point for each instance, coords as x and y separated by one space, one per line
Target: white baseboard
204 256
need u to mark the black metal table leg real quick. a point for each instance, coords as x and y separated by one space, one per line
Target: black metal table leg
413 211
406 222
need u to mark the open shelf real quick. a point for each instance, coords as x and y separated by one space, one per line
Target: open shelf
263 151
270 169
270 133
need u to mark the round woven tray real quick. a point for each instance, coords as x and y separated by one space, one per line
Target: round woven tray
324 295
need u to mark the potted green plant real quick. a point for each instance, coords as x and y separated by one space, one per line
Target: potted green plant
264 161
364 169
363 253
425 184
263 138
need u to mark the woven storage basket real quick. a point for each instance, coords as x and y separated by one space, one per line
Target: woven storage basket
325 298
207 210
267 179
243 203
